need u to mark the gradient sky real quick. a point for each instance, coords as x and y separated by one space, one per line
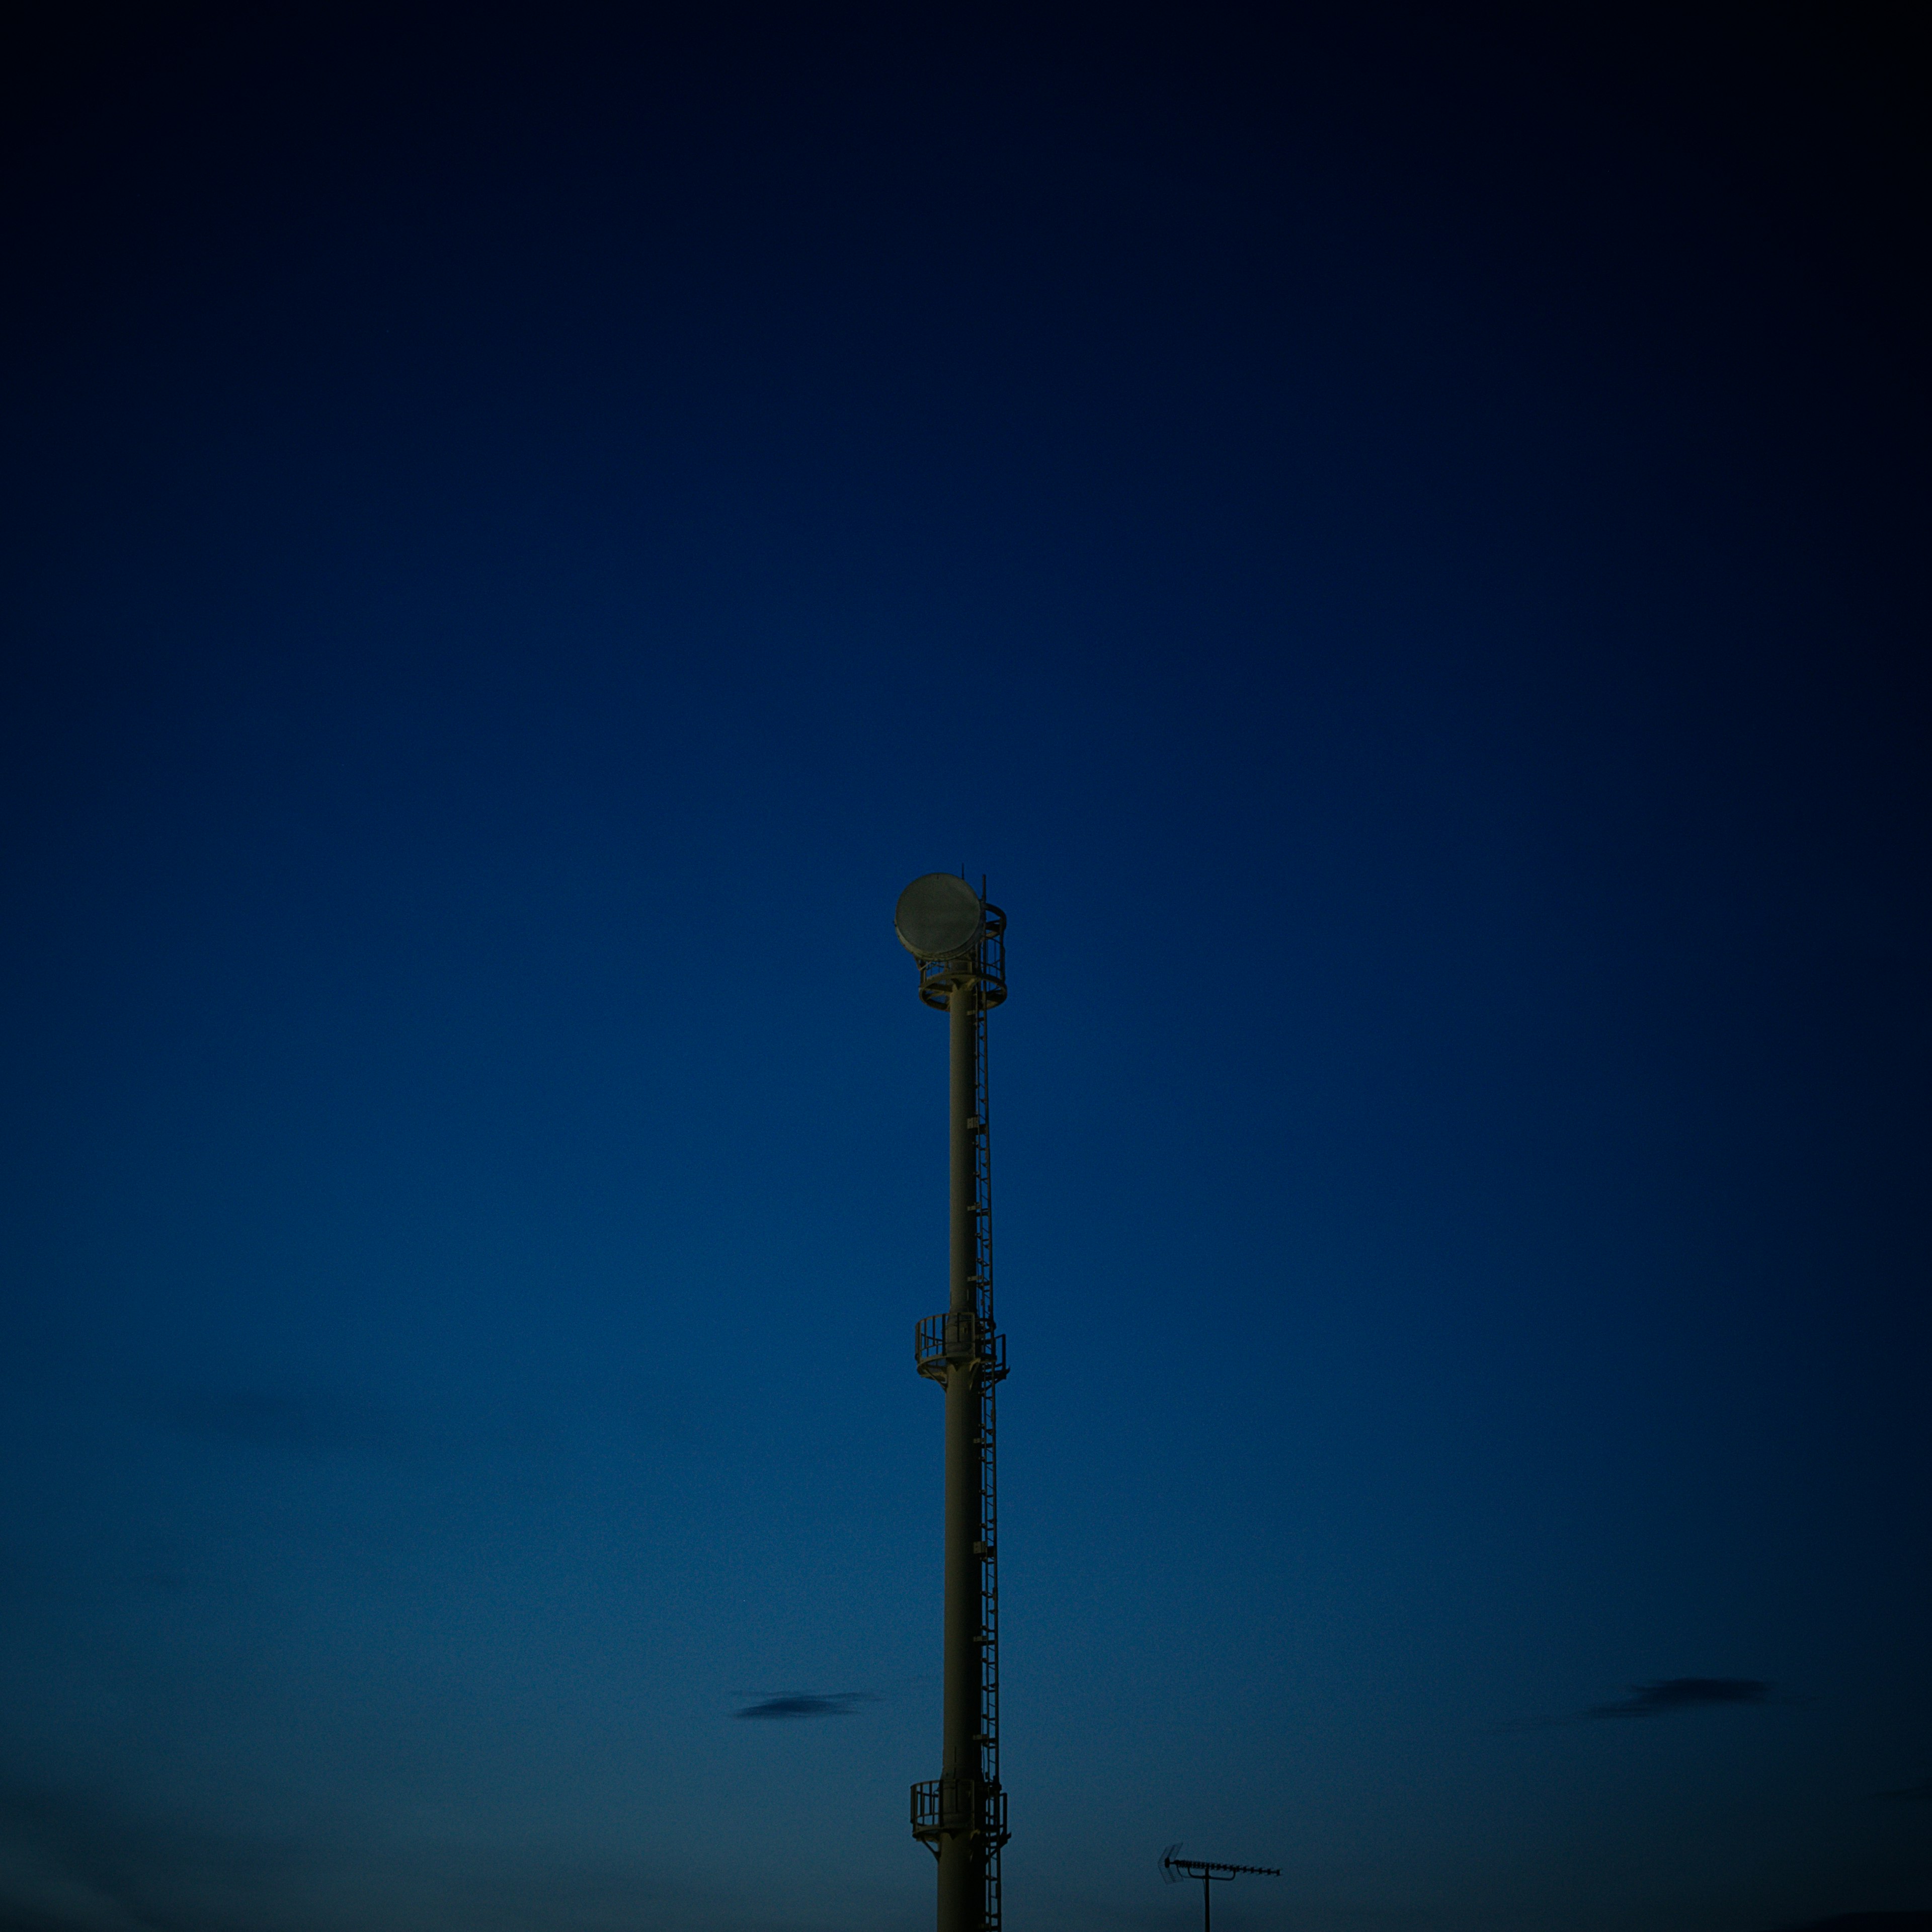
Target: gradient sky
1395 538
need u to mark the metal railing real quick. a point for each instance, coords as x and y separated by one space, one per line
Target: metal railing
940 1804
941 1341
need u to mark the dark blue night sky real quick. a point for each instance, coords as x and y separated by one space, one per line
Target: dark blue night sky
1395 537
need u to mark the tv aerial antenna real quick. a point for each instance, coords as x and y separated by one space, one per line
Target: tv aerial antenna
1174 1868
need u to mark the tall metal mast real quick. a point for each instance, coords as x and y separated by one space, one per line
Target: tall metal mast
959 941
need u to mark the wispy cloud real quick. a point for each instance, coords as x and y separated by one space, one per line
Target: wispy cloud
1664 1698
807 1704
76 1860
1671 1694
298 1421
82 1858
1870 1921
1912 1794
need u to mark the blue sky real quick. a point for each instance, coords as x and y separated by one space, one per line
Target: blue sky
1395 542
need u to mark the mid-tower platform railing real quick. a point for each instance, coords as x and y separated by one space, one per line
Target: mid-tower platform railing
940 1804
943 1343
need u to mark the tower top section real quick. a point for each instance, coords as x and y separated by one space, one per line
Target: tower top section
957 938
939 916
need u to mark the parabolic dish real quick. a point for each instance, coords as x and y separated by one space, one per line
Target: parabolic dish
937 917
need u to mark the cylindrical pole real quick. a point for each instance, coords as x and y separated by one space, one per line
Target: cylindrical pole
1207 1902
961 1852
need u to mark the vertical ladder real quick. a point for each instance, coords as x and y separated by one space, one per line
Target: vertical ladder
991 963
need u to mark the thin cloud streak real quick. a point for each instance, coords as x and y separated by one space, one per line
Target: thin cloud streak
1671 1694
1911 1794
1664 1698
284 1421
807 1704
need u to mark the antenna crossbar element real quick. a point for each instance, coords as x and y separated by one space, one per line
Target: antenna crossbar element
1210 1872
1196 1867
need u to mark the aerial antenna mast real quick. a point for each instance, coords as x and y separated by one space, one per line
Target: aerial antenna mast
959 941
1174 1868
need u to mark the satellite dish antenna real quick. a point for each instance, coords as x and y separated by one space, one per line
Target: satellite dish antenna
939 916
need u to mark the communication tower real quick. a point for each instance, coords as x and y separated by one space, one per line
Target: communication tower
959 941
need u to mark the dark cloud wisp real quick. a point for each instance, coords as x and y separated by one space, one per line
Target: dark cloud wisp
1671 1694
1667 1695
297 1421
806 1704
1871 1921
